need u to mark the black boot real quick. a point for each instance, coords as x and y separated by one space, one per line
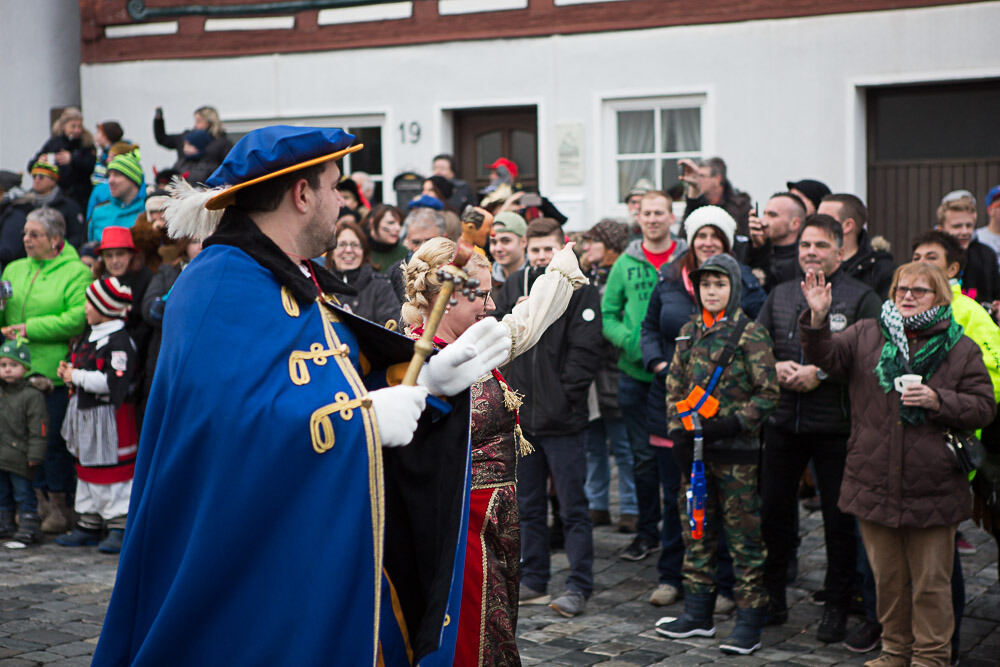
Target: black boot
833 627
777 608
696 621
29 529
7 526
745 637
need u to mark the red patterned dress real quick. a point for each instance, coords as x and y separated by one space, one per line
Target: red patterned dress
488 620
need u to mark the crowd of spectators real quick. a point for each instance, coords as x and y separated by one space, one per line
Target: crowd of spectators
803 297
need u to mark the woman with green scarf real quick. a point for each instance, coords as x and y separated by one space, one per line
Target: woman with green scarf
901 479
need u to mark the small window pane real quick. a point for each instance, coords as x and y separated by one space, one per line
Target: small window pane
635 132
369 159
522 151
630 172
670 172
487 151
681 130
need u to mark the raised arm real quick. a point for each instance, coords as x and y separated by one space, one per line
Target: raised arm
546 302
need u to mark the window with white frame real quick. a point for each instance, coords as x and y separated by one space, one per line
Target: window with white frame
367 129
647 138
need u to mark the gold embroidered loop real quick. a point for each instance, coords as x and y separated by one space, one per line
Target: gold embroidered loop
298 370
289 303
320 425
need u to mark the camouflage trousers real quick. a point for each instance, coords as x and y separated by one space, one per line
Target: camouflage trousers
732 504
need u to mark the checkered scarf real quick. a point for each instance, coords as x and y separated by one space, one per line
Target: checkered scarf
895 359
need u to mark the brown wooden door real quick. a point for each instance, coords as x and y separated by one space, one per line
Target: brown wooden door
923 142
483 135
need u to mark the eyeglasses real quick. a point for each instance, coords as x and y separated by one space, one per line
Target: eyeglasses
917 292
349 245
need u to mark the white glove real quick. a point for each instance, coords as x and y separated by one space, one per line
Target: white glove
484 346
397 410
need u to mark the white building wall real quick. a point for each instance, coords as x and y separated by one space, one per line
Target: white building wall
783 97
39 70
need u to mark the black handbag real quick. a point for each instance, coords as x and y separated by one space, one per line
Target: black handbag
967 449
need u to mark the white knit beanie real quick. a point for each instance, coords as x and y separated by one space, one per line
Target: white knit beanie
710 215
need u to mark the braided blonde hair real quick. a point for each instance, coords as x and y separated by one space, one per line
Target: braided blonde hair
420 274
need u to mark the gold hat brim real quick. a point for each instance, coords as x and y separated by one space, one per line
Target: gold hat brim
228 196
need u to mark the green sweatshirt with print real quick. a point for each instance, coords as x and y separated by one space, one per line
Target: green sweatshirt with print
623 307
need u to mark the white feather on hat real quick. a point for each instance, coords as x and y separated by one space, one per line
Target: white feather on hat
186 215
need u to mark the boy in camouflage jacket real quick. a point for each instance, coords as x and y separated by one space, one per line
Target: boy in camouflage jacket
747 392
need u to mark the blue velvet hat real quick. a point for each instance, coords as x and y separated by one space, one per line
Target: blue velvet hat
273 151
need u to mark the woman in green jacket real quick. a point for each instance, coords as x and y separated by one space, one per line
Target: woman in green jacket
46 307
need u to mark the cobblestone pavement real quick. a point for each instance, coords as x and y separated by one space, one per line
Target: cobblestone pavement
53 599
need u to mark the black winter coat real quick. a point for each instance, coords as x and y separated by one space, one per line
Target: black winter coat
14 214
980 274
872 267
375 301
555 374
826 409
215 152
74 178
775 264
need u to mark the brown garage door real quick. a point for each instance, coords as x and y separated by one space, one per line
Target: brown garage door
924 141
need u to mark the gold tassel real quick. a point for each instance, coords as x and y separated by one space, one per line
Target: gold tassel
511 399
524 447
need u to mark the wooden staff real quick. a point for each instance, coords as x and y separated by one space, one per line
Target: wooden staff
477 227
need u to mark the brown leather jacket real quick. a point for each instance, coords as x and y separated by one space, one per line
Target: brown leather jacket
899 475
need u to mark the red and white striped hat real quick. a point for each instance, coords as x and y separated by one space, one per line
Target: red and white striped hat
110 297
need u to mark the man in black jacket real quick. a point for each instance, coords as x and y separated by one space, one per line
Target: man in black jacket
872 266
773 253
811 422
554 377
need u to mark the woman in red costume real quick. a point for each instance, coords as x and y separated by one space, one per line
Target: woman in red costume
488 619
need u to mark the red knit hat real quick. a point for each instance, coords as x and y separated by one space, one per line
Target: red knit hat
506 164
110 297
116 237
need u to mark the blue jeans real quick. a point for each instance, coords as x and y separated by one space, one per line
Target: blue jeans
57 473
600 432
632 396
563 456
15 489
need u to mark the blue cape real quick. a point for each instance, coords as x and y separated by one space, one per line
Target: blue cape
258 516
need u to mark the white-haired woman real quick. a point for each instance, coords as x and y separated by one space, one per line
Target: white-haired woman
488 618
49 291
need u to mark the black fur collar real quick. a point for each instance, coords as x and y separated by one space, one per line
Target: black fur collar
238 230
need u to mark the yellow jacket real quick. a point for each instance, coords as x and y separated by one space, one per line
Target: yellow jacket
983 331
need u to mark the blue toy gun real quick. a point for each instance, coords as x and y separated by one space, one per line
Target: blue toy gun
698 490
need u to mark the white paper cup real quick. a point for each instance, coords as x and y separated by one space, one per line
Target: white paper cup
908 380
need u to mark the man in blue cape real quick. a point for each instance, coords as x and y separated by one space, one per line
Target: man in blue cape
276 517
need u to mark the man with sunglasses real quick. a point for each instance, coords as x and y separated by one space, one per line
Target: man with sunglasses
811 422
